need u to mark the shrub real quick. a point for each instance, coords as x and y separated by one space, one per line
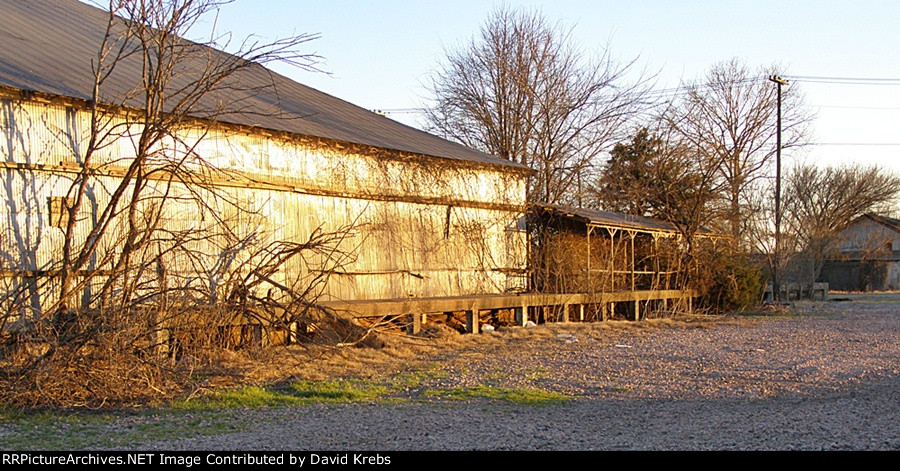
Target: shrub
727 280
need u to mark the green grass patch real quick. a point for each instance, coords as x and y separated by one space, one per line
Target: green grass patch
246 397
206 415
49 430
298 393
414 379
530 397
339 391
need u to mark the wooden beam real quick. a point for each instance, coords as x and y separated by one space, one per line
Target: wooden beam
632 234
240 179
472 319
612 257
384 307
590 285
521 315
415 322
656 279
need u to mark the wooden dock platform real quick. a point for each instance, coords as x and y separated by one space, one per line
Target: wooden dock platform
566 306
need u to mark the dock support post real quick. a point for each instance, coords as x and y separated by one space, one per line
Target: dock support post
565 313
637 310
581 313
292 333
415 323
162 343
521 314
472 321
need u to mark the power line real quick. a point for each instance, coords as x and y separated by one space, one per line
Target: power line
883 108
854 144
400 110
840 79
685 88
651 94
844 80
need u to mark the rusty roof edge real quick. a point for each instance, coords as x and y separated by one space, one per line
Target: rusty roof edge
341 121
66 100
636 225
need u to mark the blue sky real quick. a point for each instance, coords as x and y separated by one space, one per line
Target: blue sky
380 53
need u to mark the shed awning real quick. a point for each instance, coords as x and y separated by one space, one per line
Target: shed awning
609 219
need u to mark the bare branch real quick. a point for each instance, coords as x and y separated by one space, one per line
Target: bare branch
523 92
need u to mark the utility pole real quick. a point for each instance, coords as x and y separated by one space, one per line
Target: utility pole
776 287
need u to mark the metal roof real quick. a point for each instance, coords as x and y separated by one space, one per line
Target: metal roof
890 223
48 46
597 217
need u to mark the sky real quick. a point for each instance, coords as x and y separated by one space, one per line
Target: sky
380 54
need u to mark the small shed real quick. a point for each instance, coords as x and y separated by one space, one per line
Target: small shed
606 254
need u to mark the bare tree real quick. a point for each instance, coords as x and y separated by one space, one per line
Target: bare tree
659 174
523 92
143 220
821 201
730 116
170 84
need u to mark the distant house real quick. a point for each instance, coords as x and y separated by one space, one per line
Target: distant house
867 256
414 215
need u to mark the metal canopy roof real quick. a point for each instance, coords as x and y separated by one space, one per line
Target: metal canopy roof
611 219
891 223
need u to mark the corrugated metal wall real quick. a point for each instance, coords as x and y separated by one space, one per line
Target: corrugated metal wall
403 225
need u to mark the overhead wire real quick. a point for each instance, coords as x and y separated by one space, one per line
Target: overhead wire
672 92
844 80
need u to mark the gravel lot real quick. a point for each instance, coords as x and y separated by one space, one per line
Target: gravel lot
827 379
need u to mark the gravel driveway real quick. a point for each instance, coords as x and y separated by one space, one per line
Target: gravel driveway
827 379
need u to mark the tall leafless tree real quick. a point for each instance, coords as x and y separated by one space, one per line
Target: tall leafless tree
522 91
155 97
731 117
171 84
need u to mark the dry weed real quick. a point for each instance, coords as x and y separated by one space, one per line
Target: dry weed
113 378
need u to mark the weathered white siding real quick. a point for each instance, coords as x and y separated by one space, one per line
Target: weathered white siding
867 235
405 225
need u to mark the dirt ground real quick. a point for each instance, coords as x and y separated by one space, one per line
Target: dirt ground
823 376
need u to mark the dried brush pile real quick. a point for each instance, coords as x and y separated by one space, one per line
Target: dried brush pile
134 358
